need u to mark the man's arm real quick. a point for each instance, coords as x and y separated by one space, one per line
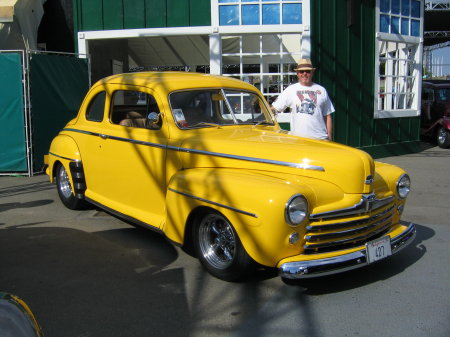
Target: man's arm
329 124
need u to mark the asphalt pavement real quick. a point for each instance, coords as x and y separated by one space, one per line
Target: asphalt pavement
89 274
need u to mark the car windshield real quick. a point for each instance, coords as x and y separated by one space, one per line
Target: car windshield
443 95
217 107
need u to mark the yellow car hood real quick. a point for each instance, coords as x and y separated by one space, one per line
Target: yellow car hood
256 149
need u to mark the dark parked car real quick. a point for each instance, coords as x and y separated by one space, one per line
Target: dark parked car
435 116
16 318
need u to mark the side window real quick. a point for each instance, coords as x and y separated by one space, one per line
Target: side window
428 94
96 108
131 108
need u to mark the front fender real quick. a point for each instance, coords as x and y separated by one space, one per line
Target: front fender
253 202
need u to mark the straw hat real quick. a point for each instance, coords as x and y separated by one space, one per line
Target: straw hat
304 64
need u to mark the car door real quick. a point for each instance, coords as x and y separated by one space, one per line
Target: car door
427 102
130 176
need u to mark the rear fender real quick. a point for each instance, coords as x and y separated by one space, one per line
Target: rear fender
63 150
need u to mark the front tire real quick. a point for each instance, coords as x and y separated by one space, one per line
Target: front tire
65 191
219 249
443 138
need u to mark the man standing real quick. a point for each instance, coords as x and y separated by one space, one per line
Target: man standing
311 108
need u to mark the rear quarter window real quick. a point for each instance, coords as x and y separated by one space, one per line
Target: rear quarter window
96 108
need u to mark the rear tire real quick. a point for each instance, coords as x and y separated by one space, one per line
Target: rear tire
219 249
443 138
65 190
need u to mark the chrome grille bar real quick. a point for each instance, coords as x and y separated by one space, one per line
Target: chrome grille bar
341 244
367 203
345 224
347 232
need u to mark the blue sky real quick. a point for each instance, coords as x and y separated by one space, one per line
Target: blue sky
441 56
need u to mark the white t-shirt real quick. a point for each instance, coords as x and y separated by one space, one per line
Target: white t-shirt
309 105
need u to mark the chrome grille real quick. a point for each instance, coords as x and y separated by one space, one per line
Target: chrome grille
369 219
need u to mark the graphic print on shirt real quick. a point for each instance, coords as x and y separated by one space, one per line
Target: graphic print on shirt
307 103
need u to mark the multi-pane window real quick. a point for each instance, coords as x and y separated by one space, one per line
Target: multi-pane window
400 17
399 56
266 60
259 12
397 76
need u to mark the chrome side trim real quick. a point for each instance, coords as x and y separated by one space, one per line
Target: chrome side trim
214 203
252 159
124 216
202 152
367 203
57 155
339 264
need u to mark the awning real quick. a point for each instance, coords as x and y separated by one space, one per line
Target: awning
7 10
19 23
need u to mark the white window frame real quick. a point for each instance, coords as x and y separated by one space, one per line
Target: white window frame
219 32
403 73
259 3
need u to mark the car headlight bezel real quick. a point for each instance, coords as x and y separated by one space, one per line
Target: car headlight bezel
403 186
296 210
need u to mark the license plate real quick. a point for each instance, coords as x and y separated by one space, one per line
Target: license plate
378 249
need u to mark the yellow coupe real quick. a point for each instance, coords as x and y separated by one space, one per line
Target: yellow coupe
202 160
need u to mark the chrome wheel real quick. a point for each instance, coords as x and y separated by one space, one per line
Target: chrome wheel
65 191
64 182
217 241
443 137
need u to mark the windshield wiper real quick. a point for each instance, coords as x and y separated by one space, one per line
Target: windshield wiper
263 122
206 124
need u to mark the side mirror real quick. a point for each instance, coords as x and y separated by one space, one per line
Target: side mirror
152 118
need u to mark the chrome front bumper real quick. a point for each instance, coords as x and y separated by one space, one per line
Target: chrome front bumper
338 264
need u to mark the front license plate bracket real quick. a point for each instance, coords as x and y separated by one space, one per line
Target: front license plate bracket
378 249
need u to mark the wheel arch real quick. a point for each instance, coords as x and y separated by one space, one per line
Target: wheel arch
254 203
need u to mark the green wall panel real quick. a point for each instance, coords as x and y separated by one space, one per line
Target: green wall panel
134 14
129 14
13 146
91 14
113 15
200 12
177 13
343 48
156 13
58 85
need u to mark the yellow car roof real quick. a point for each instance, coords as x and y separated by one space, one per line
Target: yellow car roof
175 80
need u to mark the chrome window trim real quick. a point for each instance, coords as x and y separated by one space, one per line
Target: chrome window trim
213 203
209 153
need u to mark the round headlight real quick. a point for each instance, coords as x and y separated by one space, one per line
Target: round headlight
296 210
403 186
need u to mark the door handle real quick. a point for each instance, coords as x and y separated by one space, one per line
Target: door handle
102 136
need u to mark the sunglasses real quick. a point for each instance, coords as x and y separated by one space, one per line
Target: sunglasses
304 71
